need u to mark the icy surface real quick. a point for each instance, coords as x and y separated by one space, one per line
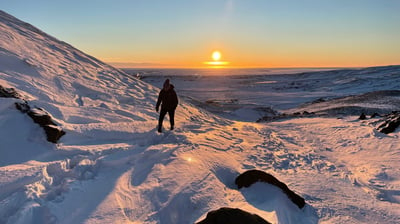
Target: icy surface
113 167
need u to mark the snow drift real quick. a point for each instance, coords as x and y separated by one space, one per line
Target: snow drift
113 167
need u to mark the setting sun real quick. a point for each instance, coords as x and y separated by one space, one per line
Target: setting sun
216 55
216 63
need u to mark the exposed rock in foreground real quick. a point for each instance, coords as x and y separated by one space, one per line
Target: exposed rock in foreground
41 117
250 177
232 216
38 115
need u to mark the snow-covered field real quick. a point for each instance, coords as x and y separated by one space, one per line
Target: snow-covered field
113 167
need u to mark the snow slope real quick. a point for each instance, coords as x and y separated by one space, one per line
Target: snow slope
113 167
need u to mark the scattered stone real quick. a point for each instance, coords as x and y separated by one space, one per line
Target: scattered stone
362 117
277 116
250 177
389 123
319 100
374 115
232 216
306 113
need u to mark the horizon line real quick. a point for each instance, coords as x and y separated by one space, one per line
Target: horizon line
149 65
244 67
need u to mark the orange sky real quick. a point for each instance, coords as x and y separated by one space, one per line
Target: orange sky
257 33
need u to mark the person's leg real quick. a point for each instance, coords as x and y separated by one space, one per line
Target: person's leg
161 119
171 114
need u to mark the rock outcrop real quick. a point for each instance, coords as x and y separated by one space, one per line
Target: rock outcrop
232 216
38 115
8 93
250 177
389 123
44 120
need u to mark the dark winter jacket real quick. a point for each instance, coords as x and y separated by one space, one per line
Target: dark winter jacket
168 99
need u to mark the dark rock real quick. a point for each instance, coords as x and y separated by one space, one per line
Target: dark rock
306 113
389 123
319 100
23 107
375 115
41 117
362 117
277 116
53 133
232 216
250 177
8 93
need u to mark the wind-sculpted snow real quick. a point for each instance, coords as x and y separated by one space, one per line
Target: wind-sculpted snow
384 101
112 166
49 183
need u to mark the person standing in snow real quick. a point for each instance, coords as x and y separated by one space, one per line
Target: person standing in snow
169 101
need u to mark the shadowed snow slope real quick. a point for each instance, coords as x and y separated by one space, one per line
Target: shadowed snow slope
113 167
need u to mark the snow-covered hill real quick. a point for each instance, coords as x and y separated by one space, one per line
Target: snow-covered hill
113 167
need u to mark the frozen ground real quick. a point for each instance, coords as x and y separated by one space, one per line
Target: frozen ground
248 94
113 167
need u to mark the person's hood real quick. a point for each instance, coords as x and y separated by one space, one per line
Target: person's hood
171 87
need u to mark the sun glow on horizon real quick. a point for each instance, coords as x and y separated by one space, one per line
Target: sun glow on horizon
216 56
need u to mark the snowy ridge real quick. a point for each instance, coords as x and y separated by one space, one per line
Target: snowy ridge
113 167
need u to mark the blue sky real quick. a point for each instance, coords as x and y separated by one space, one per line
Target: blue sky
249 33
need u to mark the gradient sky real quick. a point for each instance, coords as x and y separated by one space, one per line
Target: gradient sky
248 33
